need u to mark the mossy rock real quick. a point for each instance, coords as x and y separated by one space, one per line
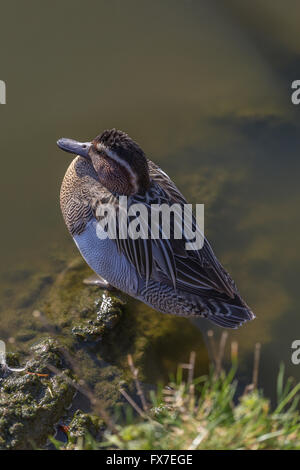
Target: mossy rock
83 426
108 313
31 404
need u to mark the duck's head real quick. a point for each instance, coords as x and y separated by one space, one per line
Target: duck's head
119 162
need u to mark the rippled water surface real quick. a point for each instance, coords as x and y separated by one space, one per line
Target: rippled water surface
205 89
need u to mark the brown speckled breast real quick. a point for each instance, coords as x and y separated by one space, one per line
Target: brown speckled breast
80 194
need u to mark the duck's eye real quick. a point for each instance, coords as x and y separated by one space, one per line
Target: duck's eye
84 146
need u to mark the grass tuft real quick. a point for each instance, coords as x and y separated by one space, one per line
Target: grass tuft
204 413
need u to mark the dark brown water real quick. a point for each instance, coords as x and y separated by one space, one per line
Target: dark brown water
205 88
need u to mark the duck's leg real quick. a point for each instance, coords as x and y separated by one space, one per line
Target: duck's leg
96 280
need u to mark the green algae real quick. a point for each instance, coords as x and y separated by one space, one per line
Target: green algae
84 425
30 405
39 282
69 299
109 311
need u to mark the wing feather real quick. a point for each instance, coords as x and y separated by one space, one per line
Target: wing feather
168 260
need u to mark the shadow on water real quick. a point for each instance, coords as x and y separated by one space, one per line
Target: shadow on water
157 342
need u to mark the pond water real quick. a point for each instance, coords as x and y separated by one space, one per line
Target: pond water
206 91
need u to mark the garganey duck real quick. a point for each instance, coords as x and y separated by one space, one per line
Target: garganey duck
160 272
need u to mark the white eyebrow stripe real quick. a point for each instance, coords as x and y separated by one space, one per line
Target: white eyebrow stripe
119 160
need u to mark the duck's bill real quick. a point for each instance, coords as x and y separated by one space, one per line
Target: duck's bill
72 146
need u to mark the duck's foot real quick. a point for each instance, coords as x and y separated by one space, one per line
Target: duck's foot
98 281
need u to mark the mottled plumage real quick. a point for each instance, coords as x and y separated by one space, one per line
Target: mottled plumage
161 273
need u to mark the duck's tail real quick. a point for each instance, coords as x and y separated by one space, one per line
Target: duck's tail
228 313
